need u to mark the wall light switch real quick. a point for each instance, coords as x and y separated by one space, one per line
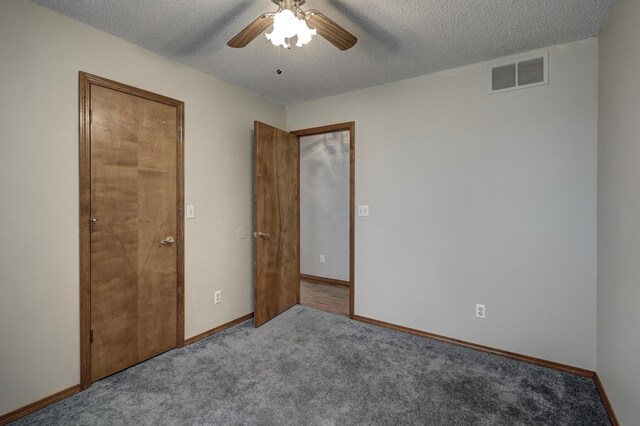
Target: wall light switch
191 211
363 210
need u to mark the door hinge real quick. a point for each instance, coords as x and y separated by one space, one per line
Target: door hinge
90 116
91 336
92 222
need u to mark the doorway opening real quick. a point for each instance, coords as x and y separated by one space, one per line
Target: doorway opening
327 217
276 220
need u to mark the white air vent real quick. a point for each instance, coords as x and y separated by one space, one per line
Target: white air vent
518 74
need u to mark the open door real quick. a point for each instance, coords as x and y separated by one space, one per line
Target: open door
276 222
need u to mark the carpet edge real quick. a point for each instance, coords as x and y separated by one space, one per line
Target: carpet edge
507 354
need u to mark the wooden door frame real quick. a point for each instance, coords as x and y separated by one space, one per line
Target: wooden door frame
332 128
86 80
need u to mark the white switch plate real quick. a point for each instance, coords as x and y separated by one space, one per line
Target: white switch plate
322 258
191 211
217 297
363 210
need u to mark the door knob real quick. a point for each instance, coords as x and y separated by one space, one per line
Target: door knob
261 235
168 241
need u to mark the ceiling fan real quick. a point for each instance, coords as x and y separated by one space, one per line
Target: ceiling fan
291 21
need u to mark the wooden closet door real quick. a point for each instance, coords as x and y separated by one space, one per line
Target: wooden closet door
133 209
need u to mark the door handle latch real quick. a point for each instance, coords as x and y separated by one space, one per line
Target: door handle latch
168 241
261 235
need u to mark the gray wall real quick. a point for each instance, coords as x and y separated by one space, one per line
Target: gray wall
41 53
619 210
478 198
474 198
324 205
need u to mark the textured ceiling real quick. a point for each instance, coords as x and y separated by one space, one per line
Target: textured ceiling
397 39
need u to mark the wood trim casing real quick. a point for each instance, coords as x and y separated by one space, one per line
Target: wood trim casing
41 403
605 400
85 238
180 224
299 243
218 329
323 280
512 355
86 80
351 127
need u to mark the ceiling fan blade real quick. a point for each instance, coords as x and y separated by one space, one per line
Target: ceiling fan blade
334 33
252 31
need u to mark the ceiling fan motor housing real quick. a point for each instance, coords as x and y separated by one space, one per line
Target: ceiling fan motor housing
292 5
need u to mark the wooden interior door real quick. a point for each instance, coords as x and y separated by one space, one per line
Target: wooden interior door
134 228
276 222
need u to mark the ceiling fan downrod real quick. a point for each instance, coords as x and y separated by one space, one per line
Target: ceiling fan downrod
292 5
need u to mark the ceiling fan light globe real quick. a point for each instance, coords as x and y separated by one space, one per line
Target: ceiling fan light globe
302 40
285 23
277 39
304 33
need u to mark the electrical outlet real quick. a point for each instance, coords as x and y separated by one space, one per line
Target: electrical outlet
363 210
480 311
322 258
217 297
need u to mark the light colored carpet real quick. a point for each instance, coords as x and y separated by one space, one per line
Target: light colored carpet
308 367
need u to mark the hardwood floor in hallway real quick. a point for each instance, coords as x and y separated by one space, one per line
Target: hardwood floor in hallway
328 298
